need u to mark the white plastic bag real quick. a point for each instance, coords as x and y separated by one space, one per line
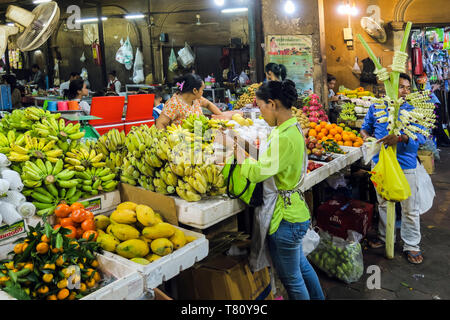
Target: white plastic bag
243 78
370 150
425 189
13 177
310 241
83 57
186 56
14 197
138 72
173 64
27 209
9 213
4 161
4 187
125 54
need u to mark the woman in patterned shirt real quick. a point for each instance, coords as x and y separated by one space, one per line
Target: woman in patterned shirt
188 101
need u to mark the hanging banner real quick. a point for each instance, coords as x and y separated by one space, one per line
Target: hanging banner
295 52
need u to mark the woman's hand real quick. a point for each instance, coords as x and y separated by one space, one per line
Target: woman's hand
162 122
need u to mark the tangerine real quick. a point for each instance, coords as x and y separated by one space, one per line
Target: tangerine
78 216
76 206
62 211
65 222
357 144
324 131
348 143
339 129
333 132
73 234
88 233
312 125
340 142
42 248
337 137
312 133
88 224
329 127
320 136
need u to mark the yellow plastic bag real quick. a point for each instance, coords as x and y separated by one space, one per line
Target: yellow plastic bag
388 177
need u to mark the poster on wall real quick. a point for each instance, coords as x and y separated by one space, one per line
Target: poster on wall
295 52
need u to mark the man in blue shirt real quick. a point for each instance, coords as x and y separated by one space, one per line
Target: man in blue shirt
158 105
407 157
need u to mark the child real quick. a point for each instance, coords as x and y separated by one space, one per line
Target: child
158 105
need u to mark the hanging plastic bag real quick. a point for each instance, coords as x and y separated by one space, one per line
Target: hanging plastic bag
388 177
83 57
339 258
138 72
310 241
425 190
125 54
186 56
356 69
173 63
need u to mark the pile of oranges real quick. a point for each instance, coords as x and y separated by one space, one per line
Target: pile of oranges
76 219
324 131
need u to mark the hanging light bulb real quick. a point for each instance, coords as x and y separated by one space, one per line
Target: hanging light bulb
219 3
289 7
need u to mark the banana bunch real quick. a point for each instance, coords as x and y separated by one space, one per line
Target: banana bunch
35 148
35 174
95 180
10 139
197 124
151 158
144 168
16 121
348 112
168 176
46 200
57 130
161 186
162 148
82 158
128 173
136 142
220 124
38 114
112 145
177 135
146 183
187 192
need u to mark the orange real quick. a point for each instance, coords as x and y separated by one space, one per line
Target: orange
62 211
88 233
52 297
312 133
329 127
334 125
348 143
42 248
88 224
63 293
312 125
320 136
337 137
339 129
44 238
76 206
353 136
323 124
73 233
357 144
330 137
65 222
324 131
18 248
345 137
340 142
333 132
80 232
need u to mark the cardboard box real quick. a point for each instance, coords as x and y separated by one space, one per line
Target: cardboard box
224 278
427 160
102 203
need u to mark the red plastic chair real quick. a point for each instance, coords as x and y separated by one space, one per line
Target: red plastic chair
109 109
140 107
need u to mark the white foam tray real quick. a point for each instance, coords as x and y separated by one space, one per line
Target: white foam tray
169 266
208 212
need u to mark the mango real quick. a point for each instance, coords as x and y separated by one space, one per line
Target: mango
108 242
133 248
161 246
124 232
101 222
152 257
189 239
160 230
146 215
128 205
159 219
124 216
140 261
147 241
178 239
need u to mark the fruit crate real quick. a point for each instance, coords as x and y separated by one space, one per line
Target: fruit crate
127 284
207 212
169 266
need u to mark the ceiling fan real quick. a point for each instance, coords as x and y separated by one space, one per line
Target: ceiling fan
374 28
198 23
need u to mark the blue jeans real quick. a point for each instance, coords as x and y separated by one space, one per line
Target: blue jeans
293 269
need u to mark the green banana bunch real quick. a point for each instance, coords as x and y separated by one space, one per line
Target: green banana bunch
81 159
38 114
115 160
16 121
168 176
152 159
112 141
34 174
46 201
35 149
136 142
162 148
348 112
162 187
95 180
129 174
144 168
57 130
146 183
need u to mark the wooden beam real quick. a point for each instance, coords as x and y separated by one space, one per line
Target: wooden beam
102 44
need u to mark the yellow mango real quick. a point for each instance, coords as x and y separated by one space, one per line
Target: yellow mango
152 257
160 230
146 215
108 242
124 232
101 222
189 239
178 239
133 248
125 216
128 205
159 219
162 246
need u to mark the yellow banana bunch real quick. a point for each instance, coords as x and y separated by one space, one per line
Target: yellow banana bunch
37 114
50 128
10 139
83 158
169 177
128 173
34 148
186 192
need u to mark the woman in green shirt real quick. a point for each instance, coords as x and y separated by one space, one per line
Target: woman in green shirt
283 220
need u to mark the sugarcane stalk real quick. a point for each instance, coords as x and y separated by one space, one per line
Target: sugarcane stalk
390 230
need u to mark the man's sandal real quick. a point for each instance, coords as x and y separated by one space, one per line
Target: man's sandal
410 257
376 244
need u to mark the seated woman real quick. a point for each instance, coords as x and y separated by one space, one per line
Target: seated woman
78 90
189 100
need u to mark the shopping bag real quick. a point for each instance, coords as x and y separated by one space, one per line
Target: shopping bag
388 177
338 257
425 190
239 187
186 56
125 54
310 241
138 71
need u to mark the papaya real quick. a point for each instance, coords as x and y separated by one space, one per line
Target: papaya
178 239
128 205
162 246
124 232
146 215
134 248
124 216
160 230
140 261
